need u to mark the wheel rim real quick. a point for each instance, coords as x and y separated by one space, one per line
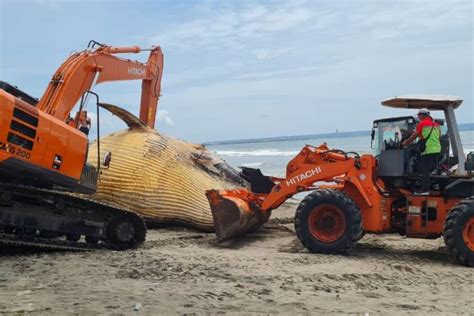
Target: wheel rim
327 223
468 234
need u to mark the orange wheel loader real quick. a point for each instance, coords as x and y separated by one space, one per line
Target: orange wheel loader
355 194
43 154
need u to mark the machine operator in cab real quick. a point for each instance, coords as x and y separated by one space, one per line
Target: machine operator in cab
83 122
429 133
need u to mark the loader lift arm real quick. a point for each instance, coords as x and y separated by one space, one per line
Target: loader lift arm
251 209
82 70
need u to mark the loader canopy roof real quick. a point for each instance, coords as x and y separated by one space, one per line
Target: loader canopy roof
431 102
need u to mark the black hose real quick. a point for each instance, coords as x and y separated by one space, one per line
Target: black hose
356 154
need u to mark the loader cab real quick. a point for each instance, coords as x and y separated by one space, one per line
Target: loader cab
388 133
399 166
396 163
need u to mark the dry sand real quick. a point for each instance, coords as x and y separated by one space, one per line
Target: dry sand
180 271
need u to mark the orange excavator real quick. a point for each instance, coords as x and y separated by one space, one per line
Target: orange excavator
43 154
355 194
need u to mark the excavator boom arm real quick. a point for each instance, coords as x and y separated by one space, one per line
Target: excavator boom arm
81 71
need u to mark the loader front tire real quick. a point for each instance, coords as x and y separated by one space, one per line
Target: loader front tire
328 221
458 233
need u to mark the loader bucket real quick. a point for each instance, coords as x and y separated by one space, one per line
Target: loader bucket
233 215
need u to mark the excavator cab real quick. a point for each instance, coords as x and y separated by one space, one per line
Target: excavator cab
38 150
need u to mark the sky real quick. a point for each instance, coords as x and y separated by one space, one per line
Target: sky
250 69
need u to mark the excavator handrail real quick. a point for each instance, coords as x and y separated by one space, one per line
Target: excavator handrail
83 100
92 44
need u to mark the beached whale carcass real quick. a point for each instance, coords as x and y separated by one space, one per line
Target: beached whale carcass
159 177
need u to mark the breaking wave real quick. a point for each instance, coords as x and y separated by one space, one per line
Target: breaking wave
268 153
252 164
259 152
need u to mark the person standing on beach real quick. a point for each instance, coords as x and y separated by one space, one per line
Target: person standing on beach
429 133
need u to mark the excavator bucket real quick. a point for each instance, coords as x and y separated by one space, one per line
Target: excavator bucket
234 214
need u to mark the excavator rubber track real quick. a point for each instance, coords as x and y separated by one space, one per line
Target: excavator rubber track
52 219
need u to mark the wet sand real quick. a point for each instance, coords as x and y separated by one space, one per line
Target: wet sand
182 271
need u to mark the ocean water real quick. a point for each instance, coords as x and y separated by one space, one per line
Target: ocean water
272 156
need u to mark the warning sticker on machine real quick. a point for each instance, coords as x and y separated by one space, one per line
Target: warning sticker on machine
414 210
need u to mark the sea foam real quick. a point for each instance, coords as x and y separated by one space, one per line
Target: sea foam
258 152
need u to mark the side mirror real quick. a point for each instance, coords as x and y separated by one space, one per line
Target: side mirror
372 137
107 159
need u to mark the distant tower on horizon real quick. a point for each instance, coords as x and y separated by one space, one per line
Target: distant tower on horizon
337 131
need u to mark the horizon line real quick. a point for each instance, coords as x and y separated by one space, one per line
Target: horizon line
462 126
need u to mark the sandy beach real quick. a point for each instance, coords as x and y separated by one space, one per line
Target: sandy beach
182 271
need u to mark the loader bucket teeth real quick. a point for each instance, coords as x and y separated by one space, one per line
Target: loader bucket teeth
233 216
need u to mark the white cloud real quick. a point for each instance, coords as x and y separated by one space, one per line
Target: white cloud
277 73
233 25
195 75
264 54
165 118
53 5
390 20
229 64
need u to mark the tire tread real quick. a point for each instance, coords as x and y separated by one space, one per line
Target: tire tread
327 195
452 233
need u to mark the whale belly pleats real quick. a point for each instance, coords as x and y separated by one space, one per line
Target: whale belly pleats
156 176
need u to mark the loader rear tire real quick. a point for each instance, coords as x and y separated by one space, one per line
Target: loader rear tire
328 221
458 233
